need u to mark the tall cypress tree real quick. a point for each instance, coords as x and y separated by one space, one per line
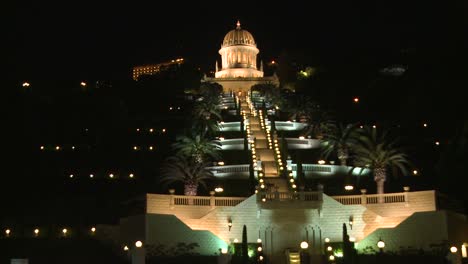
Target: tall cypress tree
245 253
347 247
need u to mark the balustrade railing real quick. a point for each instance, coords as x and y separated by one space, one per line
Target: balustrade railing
372 198
289 196
229 168
205 200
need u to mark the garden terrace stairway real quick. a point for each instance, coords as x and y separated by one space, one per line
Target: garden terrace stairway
273 181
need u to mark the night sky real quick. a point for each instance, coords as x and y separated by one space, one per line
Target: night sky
80 41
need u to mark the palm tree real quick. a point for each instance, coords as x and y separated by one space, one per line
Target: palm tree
210 90
198 148
207 109
379 154
301 107
205 127
270 92
182 169
341 139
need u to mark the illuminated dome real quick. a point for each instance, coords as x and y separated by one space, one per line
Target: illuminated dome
238 36
238 55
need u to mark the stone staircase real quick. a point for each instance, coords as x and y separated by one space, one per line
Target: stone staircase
276 183
264 154
293 257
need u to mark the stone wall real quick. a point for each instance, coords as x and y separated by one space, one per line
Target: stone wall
286 227
419 231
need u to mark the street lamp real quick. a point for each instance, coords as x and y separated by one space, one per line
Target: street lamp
304 255
381 245
138 244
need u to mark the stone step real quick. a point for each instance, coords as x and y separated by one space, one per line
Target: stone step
277 182
256 128
265 155
261 144
254 121
258 134
270 168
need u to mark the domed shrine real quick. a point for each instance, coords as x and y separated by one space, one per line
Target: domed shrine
239 70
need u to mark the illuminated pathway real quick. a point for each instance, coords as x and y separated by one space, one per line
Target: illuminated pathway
263 153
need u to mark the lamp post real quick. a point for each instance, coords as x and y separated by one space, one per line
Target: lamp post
381 245
138 253
304 254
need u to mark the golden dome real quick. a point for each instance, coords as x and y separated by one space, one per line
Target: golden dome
238 36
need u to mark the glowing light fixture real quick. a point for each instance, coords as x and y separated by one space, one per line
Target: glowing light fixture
415 172
327 240
329 248
259 249
356 99
93 229
236 240
304 245
352 239
259 240
321 162
131 175
36 231
138 244
219 189
83 84
349 187
7 232
64 231
125 248
224 251
229 224
381 244
453 249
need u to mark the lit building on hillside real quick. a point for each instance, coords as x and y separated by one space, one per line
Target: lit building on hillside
152 69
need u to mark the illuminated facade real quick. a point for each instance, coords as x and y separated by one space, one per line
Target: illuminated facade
283 217
239 70
153 69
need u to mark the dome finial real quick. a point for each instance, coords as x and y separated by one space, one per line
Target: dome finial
238 24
